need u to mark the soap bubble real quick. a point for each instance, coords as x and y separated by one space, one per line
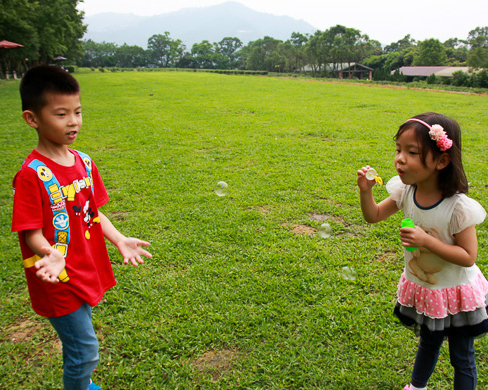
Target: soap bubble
221 189
349 273
325 231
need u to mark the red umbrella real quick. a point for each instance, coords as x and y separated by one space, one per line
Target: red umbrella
9 45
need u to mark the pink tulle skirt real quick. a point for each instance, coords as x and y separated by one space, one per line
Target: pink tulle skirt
440 303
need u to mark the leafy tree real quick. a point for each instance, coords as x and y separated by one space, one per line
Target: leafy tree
288 57
130 56
478 58
328 48
46 28
60 29
478 38
165 51
318 49
362 47
404 43
431 53
349 46
376 47
385 64
98 54
456 51
228 49
261 54
16 26
296 48
478 43
393 59
186 61
281 58
244 54
204 56
339 40
338 45
375 61
407 56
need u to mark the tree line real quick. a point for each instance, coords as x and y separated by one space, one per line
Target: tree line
322 53
51 28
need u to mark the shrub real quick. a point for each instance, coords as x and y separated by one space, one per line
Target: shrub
432 79
460 79
480 79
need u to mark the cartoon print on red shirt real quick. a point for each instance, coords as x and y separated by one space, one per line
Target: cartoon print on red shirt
88 218
77 210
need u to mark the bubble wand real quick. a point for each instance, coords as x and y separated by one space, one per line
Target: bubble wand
371 174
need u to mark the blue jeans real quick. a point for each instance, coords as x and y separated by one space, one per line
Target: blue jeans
461 351
80 347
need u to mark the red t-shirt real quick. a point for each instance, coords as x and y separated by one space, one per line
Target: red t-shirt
87 262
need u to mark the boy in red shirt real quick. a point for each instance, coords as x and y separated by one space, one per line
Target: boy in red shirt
57 195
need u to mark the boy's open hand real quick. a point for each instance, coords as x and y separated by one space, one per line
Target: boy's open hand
51 265
130 249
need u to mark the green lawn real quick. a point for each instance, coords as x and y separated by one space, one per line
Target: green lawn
241 292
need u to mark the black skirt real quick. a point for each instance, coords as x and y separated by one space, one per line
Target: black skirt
472 324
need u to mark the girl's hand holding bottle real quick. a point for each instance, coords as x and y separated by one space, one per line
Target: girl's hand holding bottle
414 237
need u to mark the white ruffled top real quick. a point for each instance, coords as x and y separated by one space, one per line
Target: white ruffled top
432 285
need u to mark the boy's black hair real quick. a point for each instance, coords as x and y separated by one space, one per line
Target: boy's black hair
451 179
41 80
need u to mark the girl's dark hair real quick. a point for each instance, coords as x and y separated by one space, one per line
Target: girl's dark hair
41 80
452 178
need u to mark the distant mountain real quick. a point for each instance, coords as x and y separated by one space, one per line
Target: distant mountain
194 25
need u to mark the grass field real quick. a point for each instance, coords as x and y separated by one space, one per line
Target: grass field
241 292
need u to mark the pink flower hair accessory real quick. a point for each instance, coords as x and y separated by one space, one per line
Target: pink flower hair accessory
437 134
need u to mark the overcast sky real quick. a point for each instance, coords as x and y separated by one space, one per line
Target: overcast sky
385 21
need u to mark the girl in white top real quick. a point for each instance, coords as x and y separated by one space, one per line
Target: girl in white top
441 291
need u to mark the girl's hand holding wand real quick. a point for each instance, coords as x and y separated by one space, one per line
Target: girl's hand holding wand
364 184
367 177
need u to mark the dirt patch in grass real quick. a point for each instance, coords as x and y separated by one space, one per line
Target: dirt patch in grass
323 137
300 230
345 229
22 331
204 149
215 363
388 257
26 330
263 210
118 215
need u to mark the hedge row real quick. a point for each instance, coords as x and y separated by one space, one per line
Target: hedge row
234 72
